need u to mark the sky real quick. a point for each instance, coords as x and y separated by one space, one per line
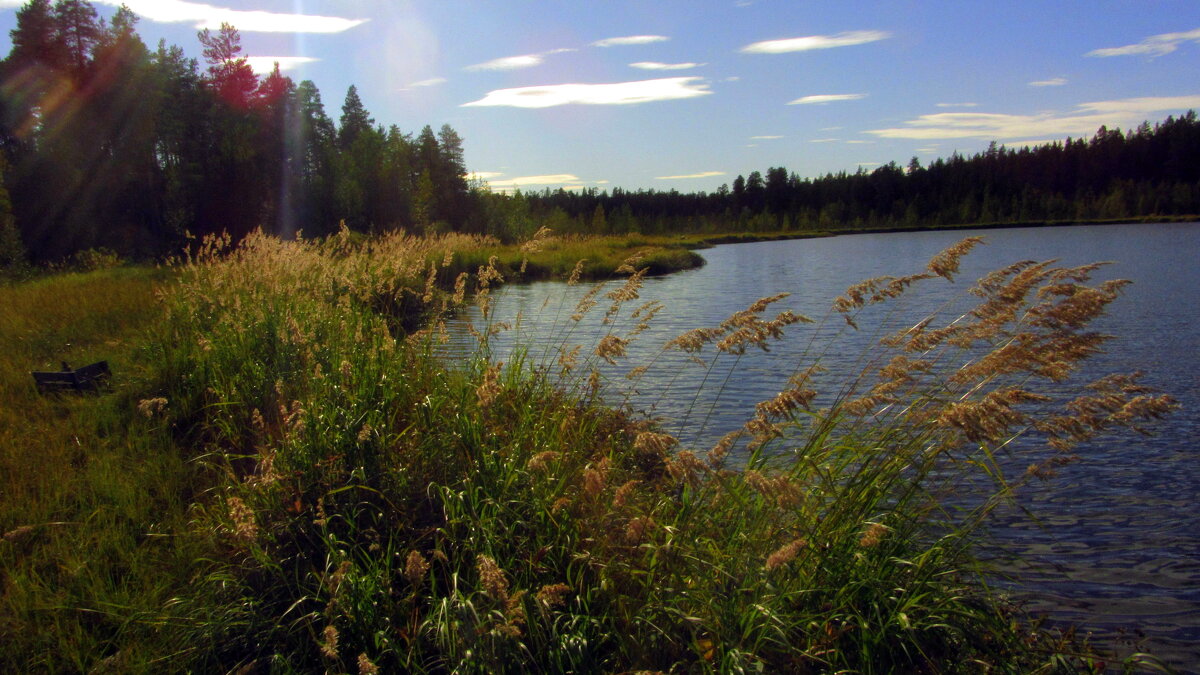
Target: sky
689 94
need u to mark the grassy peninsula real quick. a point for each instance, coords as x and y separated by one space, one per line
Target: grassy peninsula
288 478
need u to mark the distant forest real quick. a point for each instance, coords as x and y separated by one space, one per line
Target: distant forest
1149 171
106 144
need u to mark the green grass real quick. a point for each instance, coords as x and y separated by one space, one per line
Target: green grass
288 479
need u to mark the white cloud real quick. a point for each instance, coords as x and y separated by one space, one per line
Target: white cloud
1052 82
203 15
832 128
618 93
1155 45
630 40
824 140
702 174
565 179
804 44
509 63
265 64
826 98
654 65
765 138
431 82
516 62
860 142
956 105
484 175
1085 119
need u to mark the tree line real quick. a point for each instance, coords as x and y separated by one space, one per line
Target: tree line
1145 172
106 143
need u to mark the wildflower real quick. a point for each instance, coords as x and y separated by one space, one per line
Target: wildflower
945 264
716 456
460 289
576 272
489 388
329 643
593 482
492 578
650 442
586 303
415 567
338 576
686 468
610 348
873 535
364 434
637 528
541 461
151 406
244 527
427 296
785 554
621 496
366 666
552 595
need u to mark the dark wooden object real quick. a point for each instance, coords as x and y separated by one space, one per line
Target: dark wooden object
88 378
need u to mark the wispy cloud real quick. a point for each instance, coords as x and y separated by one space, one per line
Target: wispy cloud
654 65
266 64
1085 119
702 174
817 99
568 181
811 42
203 15
509 63
630 40
859 142
516 62
1052 82
765 138
484 175
824 140
431 82
1155 45
955 105
617 93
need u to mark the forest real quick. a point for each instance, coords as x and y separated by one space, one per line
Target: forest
106 144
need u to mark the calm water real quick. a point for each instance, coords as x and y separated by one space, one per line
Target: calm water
1118 548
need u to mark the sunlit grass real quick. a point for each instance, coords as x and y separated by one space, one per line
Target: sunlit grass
291 479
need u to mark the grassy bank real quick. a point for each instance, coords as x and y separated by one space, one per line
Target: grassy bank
288 479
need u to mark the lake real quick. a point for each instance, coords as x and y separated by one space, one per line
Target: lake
1117 551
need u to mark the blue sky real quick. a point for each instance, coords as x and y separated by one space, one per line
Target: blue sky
687 95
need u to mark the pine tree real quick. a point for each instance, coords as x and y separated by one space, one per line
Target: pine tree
355 119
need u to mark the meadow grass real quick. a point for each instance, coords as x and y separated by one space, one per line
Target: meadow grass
296 481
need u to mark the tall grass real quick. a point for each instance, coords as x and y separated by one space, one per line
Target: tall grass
355 503
378 509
